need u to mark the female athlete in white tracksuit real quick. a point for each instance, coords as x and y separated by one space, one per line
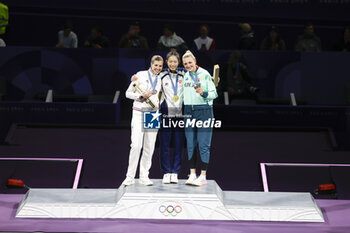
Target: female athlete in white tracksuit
150 83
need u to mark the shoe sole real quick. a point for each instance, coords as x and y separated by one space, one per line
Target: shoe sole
128 184
199 184
146 184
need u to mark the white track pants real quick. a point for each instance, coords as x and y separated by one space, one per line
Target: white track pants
140 138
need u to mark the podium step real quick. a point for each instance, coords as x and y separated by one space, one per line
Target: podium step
272 206
169 201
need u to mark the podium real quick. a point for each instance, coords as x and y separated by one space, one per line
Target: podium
171 202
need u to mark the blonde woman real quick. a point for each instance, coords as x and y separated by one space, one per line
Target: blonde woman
149 81
199 92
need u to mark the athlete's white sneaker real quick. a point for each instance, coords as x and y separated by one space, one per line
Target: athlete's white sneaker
128 181
191 178
166 178
201 180
173 178
145 181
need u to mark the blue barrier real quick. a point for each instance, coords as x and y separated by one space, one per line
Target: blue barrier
318 78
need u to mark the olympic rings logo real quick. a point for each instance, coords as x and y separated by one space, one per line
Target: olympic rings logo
170 210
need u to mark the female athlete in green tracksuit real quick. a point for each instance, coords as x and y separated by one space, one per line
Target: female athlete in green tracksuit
199 92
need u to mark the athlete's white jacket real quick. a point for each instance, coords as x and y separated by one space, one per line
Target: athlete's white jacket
145 84
168 80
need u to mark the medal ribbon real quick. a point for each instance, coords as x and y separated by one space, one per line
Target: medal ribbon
175 86
195 79
153 84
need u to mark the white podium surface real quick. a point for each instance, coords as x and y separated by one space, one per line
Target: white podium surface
169 201
272 206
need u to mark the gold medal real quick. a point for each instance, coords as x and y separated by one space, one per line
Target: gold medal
176 98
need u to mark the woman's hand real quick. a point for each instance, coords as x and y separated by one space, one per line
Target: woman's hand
212 78
133 78
199 90
147 94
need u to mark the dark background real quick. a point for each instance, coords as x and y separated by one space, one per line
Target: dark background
36 23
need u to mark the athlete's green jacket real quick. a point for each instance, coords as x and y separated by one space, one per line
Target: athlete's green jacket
191 97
